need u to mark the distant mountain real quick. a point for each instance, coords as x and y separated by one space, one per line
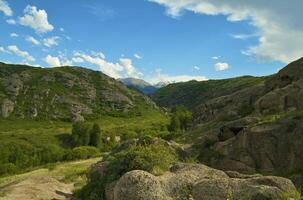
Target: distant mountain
162 84
140 85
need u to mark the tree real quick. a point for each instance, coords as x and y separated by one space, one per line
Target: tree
80 134
174 124
95 135
181 119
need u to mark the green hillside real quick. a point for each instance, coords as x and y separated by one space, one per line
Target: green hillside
39 106
193 93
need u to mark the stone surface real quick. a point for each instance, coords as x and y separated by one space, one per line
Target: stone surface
199 182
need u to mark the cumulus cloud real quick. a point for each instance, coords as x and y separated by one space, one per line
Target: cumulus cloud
52 61
136 55
281 31
51 41
24 54
215 57
11 21
4 7
36 19
14 35
221 66
32 40
121 69
111 69
160 77
130 70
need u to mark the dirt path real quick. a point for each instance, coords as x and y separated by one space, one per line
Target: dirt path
45 184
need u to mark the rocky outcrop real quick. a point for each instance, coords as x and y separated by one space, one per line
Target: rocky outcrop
271 147
64 93
199 182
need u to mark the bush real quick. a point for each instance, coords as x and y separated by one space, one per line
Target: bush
83 152
95 136
80 134
151 157
180 120
8 168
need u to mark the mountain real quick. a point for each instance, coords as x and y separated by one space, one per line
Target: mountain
64 93
193 93
139 84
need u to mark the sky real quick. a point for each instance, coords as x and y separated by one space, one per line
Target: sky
155 40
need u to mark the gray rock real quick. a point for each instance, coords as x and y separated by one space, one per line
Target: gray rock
199 182
7 108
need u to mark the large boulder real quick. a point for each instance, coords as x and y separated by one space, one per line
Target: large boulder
199 182
270 147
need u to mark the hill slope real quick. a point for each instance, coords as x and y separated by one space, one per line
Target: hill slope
64 93
193 93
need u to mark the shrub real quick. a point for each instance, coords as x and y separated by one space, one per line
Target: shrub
80 134
180 120
95 136
8 168
83 152
151 157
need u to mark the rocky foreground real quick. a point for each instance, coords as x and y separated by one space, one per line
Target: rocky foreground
199 182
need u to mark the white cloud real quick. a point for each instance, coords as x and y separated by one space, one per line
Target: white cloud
111 69
4 7
62 29
24 54
123 68
221 66
52 61
196 68
136 55
165 78
14 35
279 24
77 60
215 57
130 70
243 36
11 21
36 19
51 41
98 54
2 49
32 40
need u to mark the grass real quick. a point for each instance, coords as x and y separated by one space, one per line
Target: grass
66 172
37 134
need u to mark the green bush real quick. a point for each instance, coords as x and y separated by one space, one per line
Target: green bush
83 152
148 156
181 119
80 134
8 168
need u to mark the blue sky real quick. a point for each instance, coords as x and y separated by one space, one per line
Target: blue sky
156 40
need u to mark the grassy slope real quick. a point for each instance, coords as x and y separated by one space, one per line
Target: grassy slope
71 174
193 93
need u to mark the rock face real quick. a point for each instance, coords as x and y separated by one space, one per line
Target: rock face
199 182
270 147
64 93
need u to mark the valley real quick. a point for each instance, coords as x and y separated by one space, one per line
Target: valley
223 132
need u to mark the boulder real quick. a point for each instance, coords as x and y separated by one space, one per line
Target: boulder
7 108
199 182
